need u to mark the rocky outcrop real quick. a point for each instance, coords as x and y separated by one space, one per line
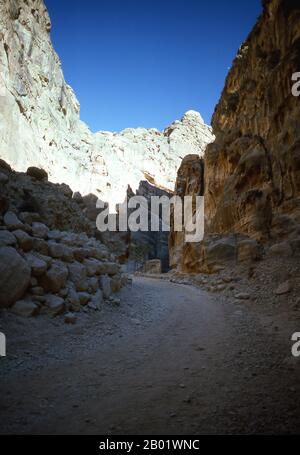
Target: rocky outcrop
51 257
41 127
150 245
190 182
252 169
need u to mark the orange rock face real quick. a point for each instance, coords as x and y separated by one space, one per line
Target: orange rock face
252 170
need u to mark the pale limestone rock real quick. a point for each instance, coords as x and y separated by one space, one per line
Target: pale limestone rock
39 115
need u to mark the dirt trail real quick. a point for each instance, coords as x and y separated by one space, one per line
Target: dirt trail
171 359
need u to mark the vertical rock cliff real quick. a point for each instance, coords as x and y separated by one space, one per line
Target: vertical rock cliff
252 169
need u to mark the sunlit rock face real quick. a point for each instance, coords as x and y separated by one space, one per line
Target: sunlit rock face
252 169
40 123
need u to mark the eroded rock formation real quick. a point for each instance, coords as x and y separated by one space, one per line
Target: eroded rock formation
252 169
52 259
40 123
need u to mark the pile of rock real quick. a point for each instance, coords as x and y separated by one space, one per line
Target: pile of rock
52 271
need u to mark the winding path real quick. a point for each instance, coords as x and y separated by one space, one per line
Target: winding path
170 360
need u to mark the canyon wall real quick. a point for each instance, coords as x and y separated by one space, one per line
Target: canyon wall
40 120
252 169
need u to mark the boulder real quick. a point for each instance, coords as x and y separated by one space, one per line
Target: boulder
7 238
282 249
96 301
25 308
12 221
38 266
29 217
39 230
25 242
105 286
37 291
36 173
92 266
3 178
73 299
55 235
55 278
84 298
219 252
93 285
78 275
56 250
77 197
14 276
108 268
41 246
80 254
116 283
54 305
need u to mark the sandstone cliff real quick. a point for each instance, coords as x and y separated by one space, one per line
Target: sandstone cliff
40 122
252 170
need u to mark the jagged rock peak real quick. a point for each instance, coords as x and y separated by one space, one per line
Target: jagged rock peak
41 126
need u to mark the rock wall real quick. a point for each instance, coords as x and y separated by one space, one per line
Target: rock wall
189 182
40 123
252 169
150 245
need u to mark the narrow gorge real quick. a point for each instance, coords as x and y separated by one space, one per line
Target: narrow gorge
141 331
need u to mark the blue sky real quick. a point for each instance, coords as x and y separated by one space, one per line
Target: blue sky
144 63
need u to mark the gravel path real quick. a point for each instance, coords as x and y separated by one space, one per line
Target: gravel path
171 359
